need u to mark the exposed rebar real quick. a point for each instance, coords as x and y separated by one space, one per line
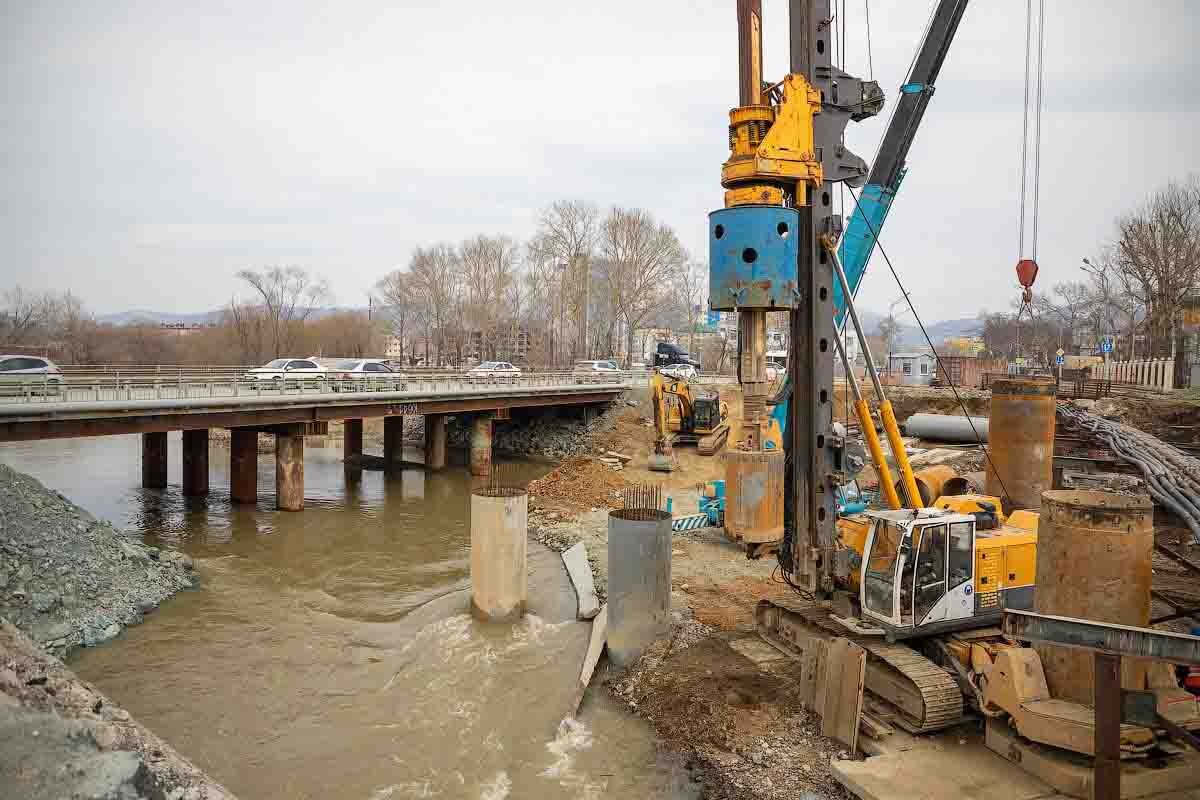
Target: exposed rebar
641 502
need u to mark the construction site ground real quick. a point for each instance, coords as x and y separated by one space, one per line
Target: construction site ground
710 689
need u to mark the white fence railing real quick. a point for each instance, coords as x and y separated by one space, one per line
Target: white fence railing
1157 374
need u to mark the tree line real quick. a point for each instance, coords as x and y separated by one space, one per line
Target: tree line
580 288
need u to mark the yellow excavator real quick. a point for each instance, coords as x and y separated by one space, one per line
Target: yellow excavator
685 413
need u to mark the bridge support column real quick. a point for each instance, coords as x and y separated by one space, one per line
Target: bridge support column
243 465
352 439
154 460
393 442
481 444
195 463
289 472
435 441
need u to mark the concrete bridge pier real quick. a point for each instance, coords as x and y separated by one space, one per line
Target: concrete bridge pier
289 471
435 441
243 465
481 445
393 442
195 463
352 441
154 460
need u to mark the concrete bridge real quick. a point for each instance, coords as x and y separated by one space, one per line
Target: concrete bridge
288 411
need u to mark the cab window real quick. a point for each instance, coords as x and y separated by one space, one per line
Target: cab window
962 535
880 581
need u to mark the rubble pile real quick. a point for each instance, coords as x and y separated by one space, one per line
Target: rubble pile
68 579
547 435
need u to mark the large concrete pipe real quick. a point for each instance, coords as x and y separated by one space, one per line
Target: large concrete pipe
1094 554
754 495
931 482
946 428
639 581
1021 450
499 529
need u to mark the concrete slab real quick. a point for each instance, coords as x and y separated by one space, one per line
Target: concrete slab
592 657
940 768
576 561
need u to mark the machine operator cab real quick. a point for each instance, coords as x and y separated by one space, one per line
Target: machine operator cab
917 571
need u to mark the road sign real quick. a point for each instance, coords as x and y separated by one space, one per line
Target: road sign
1106 344
1059 359
1060 352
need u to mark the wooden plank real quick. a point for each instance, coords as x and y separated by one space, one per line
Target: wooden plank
841 691
580 572
812 667
874 727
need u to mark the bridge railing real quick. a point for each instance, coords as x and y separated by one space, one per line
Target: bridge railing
237 383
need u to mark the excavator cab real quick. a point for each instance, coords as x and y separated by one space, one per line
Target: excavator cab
917 571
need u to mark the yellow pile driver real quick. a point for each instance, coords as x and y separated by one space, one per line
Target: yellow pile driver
685 413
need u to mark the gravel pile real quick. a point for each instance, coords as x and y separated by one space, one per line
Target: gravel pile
547 435
68 579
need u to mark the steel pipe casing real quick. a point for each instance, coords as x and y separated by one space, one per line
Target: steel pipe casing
639 581
1020 463
754 495
1094 556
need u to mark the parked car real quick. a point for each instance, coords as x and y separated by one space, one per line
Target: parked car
359 367
494 368
683 372
591 367
290 368
42 373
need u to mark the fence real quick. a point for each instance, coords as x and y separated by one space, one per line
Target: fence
1156 374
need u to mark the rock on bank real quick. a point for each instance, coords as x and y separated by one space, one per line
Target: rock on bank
68 579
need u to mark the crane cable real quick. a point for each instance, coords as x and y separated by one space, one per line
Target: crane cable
1027 267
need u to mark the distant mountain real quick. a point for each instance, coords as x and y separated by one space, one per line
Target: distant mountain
157 317
193 318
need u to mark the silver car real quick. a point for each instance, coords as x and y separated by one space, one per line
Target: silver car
37 373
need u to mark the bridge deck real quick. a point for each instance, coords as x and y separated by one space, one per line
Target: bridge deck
145 407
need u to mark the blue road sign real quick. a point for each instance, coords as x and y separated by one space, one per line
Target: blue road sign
1106 345
1059 360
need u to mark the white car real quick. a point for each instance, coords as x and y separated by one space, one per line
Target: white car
495 368
41 374
592 367
288 368
683 372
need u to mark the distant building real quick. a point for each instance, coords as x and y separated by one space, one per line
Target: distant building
394 349
911 369
511 344
182 328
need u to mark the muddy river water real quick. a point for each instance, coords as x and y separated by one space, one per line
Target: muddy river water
328 653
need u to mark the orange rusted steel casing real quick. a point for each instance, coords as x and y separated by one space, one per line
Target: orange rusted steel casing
754 495
1021 441
1094 555
931 482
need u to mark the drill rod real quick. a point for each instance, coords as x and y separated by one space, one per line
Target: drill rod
886 414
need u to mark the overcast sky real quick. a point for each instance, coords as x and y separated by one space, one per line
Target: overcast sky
150 150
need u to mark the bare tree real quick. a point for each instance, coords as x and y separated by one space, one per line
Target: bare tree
489 265
397 294
691 283
566 236
1157 257
435 276
888 330
23 316
288 296
641 256
1069 303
